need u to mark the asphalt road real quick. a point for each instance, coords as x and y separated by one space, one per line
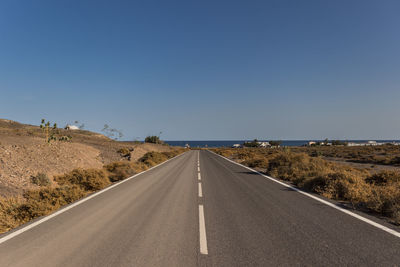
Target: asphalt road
224 216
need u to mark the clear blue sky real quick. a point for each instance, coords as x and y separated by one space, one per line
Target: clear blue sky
201 70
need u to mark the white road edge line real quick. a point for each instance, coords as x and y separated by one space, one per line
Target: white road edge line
202 229
377 225
199 176
62 210
200 190
198 169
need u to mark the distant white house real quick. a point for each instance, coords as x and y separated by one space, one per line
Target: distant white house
71 127
369 143
353 144
312 143
236 146
264 144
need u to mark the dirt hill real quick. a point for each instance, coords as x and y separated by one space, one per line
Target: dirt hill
24 153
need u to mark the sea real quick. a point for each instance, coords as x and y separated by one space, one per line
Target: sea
229 143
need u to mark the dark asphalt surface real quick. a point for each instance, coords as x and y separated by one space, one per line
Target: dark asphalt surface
153 220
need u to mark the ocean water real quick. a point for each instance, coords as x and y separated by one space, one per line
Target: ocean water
229 143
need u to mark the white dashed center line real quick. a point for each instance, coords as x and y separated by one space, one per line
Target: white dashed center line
200 190
203 237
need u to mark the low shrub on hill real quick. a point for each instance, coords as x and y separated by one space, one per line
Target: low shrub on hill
71 187
36 203
44 201
88 179
41 179
153 158
153 139
296 167
256 163
384 178
120 170
125 152
9 213
385 200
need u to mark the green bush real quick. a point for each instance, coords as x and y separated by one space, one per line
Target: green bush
153 139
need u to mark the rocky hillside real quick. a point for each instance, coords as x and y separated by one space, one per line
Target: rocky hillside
24 153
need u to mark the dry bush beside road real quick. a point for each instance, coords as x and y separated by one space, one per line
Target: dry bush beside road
24 153
383 154
378 193
72 186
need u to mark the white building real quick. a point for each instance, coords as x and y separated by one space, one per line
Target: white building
71 127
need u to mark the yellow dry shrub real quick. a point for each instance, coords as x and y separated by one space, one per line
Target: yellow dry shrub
153 158
88 179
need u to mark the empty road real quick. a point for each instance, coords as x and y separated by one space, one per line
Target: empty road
199 209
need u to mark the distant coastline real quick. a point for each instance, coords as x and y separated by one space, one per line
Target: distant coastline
229 143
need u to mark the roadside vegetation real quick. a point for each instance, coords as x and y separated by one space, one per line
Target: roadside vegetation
52 133
70 187
378 193
383 155
154 139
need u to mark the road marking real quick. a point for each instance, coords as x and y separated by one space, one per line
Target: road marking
200 190
199 176
198 169
370 222
62 210
202 229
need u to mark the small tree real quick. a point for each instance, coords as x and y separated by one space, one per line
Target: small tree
153 139
49 130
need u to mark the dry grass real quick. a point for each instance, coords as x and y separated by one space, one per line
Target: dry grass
71 187
153 158
41 179
383 155
378 193
120 170
90 179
